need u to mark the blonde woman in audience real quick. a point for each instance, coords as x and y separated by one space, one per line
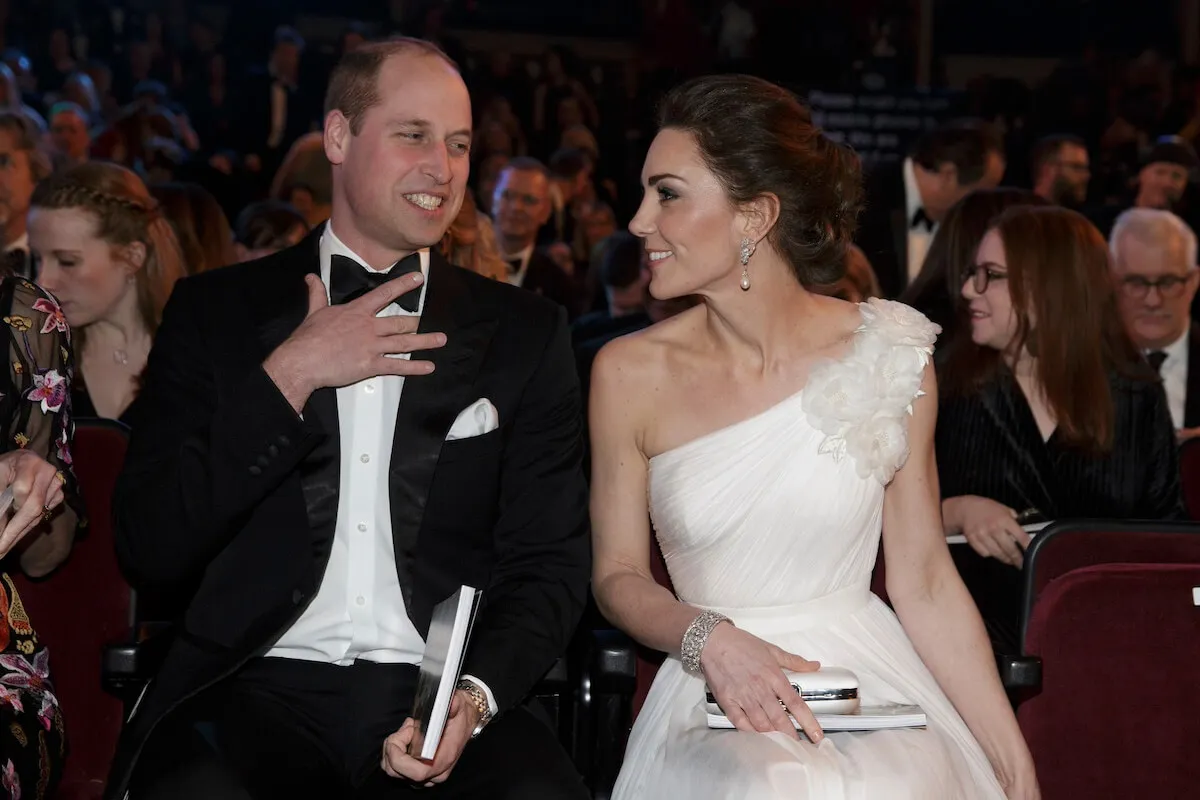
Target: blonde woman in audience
108 254
1048 410
470 243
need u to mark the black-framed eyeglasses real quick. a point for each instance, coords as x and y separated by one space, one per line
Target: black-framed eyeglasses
1170 286
982 275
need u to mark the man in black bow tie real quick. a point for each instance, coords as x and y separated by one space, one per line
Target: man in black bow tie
906 201
22 165
317 488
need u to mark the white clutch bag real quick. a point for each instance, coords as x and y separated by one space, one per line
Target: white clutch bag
829 690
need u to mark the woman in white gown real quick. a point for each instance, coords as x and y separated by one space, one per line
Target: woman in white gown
775 433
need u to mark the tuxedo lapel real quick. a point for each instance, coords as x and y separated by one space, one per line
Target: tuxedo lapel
429 404
282 303
1191 402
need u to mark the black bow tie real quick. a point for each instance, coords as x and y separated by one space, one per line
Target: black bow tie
1156 359
349 280
919 217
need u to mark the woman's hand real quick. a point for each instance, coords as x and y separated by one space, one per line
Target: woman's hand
745 674
37 489
991 528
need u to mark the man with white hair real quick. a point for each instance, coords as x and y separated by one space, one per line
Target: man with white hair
1156 277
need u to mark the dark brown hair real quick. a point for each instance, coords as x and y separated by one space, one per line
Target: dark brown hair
354 84
758 139
964 143
200 225
1058 275
937 289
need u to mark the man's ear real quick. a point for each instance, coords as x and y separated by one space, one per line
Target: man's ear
337 136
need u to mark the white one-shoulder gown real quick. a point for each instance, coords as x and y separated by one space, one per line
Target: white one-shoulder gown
775 521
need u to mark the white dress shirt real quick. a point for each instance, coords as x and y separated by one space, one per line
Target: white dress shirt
359 612
1174 372
919 238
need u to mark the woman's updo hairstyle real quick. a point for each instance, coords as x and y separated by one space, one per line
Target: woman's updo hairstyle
758 139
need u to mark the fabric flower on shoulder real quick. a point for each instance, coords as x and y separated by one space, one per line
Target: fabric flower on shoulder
899 324
859 402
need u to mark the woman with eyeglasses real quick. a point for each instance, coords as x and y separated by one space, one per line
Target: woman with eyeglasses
1048 410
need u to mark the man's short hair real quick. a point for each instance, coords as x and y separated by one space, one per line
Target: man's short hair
526 164
27 137
965 143
1049 147
568 162
1152 226
354 84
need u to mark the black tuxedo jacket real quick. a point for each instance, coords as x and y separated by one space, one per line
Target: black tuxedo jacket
228 491
883 228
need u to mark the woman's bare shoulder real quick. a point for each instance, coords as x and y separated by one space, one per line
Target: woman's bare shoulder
647 356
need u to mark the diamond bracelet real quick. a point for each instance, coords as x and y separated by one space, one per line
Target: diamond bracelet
696 636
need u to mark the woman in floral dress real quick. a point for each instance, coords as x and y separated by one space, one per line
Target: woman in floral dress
36 462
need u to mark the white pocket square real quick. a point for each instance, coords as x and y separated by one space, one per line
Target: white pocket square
476 419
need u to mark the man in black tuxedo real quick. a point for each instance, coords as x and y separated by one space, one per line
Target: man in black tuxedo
521 205
1156 277
906 201
317 515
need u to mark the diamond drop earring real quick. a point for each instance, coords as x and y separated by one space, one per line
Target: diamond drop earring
747 251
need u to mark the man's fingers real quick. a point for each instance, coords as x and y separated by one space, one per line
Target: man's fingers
387 365
393 326
318 297
383 296
412 342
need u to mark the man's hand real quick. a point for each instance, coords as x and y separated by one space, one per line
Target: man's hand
37 489
344 344
1184 434
397 762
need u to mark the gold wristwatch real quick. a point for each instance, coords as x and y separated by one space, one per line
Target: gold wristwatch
480 701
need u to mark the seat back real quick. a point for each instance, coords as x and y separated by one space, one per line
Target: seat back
1189 470
1117 714
82 606
1066 546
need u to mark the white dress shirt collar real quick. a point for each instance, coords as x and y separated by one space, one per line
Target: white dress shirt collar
331 245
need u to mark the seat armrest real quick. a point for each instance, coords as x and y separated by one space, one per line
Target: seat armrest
1020 672
612 665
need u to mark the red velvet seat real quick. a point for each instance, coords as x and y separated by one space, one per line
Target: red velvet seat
1065 546
1189 468
81 607
1117 714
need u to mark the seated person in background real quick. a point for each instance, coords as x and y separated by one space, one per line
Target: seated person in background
1048 411
521 206
937 290
36 463
200 226
108 254
625 277
859 282
469 243
1154 268
267 227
